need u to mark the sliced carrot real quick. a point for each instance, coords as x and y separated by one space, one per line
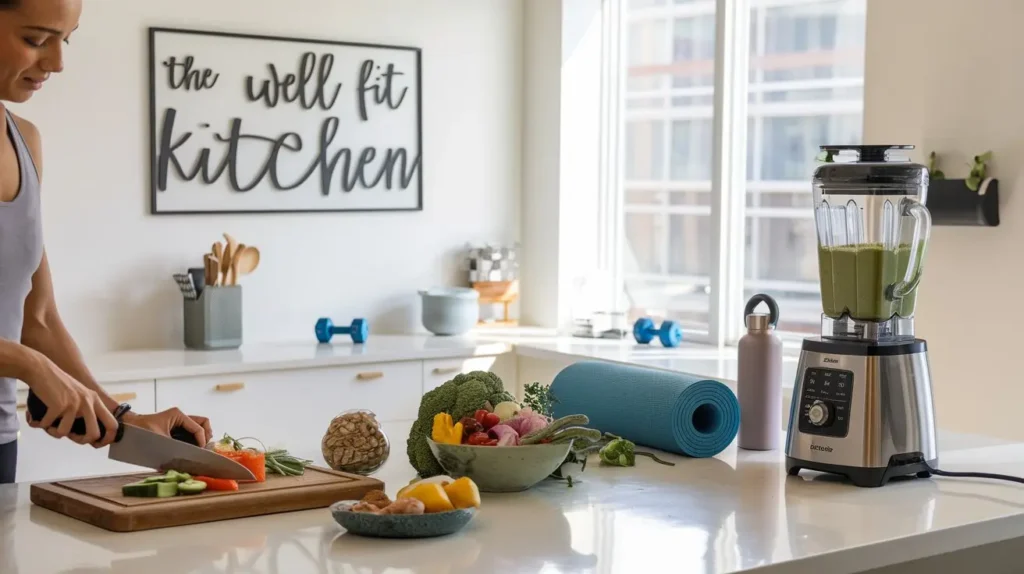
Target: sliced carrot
254 460
218 483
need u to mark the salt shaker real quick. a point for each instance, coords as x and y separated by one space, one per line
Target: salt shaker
759 378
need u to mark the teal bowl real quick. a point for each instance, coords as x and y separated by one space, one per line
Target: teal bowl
500 468
400 525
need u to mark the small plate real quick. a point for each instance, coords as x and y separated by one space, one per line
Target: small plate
400 525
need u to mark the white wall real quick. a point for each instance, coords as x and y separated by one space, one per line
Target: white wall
945 75
113 262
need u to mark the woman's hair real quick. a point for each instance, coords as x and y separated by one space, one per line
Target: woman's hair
8 4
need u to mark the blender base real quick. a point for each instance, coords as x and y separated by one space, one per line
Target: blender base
862 409
908 465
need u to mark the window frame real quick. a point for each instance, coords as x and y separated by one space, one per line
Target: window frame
730 109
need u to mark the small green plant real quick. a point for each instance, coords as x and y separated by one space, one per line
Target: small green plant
826 156
539 398
978 171
933 167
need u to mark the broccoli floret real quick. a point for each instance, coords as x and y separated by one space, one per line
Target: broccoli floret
459 397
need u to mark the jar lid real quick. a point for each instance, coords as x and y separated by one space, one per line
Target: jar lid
870 170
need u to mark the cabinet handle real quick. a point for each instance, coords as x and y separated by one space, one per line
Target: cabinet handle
124 397
22 407
369 376
229 387
445 370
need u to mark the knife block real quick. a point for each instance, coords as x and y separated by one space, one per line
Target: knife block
214 319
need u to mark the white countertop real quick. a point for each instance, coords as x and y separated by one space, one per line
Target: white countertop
694 359
736 512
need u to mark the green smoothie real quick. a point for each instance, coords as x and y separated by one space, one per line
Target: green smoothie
856 279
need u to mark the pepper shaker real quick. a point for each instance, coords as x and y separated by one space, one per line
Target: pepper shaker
759 378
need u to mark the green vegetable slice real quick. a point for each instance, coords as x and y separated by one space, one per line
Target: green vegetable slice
191 486
150 489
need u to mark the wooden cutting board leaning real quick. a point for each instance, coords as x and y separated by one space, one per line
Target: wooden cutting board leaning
98 501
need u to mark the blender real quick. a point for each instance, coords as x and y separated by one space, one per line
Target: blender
862 401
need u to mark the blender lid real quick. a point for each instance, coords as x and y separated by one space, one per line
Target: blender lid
872 170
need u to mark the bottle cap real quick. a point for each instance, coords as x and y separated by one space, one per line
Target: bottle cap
758 322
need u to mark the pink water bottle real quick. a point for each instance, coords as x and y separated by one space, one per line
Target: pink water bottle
759 378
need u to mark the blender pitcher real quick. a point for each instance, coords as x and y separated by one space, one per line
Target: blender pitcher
872 229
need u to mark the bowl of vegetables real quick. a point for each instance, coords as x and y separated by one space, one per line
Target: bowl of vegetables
471 427
508 454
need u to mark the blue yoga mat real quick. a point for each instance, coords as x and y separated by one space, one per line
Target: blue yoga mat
659 409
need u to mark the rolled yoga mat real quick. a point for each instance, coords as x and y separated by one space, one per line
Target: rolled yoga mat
669 411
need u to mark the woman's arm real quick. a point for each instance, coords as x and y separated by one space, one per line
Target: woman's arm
16 360
44 331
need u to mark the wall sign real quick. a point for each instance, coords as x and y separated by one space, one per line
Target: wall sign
248 124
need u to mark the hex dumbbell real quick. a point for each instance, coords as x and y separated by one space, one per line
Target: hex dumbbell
670 334
358 330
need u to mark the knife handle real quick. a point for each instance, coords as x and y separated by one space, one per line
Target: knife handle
37 408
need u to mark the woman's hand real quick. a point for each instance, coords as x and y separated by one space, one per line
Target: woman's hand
68 399
166 421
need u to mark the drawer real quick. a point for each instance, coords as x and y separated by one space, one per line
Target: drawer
293 408
42 457
436 372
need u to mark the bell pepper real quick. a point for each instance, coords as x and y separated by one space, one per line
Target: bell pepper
218 483
255 461
444 431
432 495
463 493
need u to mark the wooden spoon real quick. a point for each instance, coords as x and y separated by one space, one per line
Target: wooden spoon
218 252
229 254
247 260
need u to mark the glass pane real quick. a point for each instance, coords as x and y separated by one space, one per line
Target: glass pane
645 150
645 244
806 89
669 117
692 141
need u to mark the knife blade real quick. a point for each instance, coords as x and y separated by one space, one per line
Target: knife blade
148 449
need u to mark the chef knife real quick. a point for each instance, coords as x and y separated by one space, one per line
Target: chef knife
148 449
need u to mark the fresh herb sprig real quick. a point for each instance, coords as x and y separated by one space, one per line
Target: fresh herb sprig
539 398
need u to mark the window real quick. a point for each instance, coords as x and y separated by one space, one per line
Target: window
803 86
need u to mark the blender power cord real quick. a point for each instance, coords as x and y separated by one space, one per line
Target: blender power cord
987 475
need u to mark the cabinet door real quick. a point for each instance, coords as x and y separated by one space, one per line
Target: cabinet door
42 457
436 372
293 408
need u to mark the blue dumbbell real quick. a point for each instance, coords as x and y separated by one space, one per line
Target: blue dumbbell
325 329
670 334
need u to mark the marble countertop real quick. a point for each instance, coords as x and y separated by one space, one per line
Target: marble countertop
732 513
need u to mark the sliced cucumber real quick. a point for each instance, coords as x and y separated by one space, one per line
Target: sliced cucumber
170 476
150 489
191 486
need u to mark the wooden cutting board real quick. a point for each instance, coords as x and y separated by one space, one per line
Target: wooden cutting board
98 501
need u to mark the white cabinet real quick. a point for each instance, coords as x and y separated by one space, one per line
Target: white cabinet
42 457
436 372
293 408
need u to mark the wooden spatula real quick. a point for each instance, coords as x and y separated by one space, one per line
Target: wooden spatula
230 252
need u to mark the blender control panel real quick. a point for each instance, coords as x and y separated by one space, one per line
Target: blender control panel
825 403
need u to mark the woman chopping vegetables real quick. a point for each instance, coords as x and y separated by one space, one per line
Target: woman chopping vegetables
35 346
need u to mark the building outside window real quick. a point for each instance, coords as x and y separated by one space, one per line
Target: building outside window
805 83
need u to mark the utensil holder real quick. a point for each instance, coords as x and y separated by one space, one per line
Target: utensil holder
214 320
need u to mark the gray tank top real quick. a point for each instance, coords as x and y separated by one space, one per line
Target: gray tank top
21 250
